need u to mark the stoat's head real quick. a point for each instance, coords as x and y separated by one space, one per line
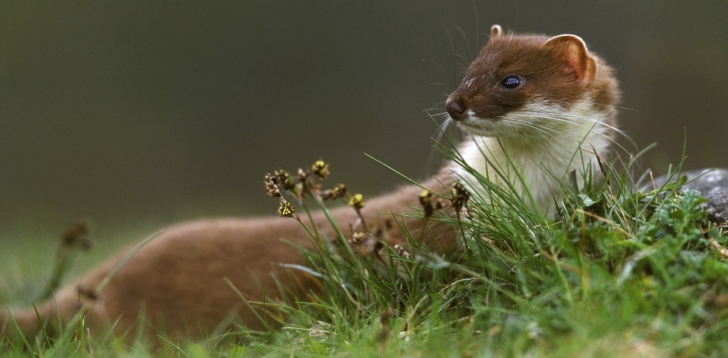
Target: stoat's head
520 84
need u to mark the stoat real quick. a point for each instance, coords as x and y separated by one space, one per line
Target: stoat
536 108
543 101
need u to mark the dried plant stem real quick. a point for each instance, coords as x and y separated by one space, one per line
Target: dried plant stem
361 217
310 218
422 232
462 231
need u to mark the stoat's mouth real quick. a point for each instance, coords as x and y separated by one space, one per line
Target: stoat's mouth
478 126
468 126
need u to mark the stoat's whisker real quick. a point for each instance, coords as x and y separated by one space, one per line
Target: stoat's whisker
543 129
539 128
613 106
614 141
593 120
559 116
621 132
592 129
443 127
556 117
446 123
580 140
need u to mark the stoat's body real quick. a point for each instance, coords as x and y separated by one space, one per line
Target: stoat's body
560 96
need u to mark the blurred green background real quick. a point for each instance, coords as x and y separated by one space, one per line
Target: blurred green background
137 114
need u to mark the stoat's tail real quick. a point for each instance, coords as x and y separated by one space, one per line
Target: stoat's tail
13 323
41 319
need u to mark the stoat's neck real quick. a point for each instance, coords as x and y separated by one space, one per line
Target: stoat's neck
543 154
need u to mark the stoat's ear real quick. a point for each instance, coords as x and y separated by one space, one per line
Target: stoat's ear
576 58
496 31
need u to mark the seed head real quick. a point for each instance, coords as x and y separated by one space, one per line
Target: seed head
370 245
284 180
335 193
286 210
77 234
320 169
401 251
357 201
426 201
301 175
426 197
87 292
272 189
460 196
358 238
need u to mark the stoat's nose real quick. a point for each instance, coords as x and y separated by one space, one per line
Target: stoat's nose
455 107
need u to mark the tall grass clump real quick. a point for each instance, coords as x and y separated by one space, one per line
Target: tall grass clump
614 271
617 272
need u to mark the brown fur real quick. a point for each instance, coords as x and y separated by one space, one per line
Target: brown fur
177 280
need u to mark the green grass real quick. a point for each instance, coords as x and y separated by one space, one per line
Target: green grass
618 273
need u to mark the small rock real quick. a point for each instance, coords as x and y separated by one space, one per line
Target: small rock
717 179
712 185
716 206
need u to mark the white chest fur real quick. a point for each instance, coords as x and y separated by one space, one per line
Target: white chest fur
535 149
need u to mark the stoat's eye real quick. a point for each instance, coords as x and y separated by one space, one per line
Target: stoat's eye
511 82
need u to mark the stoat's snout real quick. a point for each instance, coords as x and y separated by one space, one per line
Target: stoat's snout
460 111
455 107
